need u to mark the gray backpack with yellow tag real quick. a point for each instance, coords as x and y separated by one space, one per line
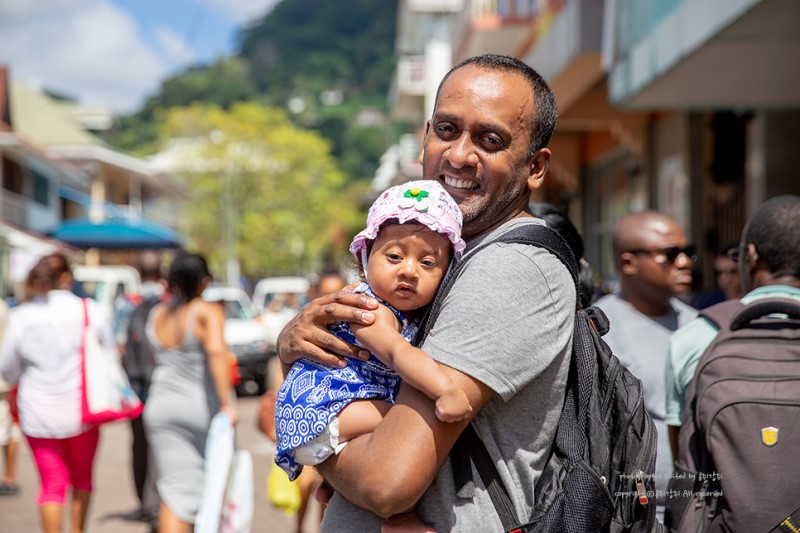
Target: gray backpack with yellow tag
740 442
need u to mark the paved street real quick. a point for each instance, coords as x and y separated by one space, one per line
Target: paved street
115 496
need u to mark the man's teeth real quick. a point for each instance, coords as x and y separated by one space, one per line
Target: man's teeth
460 184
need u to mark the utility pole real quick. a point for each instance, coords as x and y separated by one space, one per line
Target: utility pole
229 172
232 265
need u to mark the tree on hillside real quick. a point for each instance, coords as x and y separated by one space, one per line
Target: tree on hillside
303 48
267 187
300 51
316 45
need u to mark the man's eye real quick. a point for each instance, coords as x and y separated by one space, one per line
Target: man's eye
492 142
445 130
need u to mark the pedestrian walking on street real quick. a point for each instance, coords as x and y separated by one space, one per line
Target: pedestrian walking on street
41 352
190 384
10 434
138 360
654 262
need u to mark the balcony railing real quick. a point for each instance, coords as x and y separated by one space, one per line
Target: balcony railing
634 19
411 75
12 208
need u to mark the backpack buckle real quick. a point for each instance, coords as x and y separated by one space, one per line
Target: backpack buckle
641 491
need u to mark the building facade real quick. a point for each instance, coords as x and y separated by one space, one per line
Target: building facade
689 107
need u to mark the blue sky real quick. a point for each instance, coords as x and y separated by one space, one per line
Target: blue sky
114 53
208 29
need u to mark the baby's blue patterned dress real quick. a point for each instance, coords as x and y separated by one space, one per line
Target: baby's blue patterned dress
313 394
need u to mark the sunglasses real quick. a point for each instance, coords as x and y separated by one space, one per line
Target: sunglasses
733 254
668 255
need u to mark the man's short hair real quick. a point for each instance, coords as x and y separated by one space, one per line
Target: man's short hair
543 121
149 266
773 230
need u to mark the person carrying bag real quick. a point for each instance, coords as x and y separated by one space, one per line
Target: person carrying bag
106 393
43 353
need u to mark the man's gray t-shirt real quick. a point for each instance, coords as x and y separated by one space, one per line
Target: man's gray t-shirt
508 322
640 342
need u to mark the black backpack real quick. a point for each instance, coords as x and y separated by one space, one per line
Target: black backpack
599 476
740 440
139 360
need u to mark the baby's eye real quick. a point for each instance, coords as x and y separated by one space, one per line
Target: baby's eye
394 257
428 263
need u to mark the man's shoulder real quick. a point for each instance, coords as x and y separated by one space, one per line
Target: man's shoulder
523 270
683 309
698 332
771 291
492 251
610 303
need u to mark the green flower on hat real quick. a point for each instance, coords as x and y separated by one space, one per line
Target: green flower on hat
416 198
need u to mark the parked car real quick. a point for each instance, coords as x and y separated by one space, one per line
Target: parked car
277 300
245 336
105 283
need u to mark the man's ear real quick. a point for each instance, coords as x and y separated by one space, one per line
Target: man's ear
750 259
750 256
422 145
538 164
628 264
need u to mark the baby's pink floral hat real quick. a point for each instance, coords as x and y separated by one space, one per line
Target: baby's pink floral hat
422 201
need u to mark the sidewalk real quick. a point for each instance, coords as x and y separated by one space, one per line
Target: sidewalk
114 494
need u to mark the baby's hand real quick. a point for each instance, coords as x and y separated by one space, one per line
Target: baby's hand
453 405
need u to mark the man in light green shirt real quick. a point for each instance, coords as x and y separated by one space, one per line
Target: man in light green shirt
769 264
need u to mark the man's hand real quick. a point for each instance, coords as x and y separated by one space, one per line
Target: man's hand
306 335
324 493
405 523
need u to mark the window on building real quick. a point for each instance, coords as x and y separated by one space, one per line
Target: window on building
526 8
12 176
41 188
504 8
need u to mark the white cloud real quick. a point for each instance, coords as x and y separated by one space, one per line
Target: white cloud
174 46
244 11
90 49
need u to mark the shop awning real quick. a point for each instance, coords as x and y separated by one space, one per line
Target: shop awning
117 234
25 247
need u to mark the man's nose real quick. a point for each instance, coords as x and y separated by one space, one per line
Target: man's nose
462 152
683 260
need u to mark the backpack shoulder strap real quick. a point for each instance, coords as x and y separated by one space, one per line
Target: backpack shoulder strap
722 313
763 307
732 315
544 237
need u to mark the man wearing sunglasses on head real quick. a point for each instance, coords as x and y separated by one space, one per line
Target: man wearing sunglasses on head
654 263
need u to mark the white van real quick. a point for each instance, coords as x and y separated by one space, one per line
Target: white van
267 288
290 290
244 335
105 283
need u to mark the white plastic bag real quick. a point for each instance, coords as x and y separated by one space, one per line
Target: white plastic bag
227 502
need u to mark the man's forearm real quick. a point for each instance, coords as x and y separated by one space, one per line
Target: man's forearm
388 470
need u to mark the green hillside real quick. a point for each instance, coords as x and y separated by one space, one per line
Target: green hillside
328 63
